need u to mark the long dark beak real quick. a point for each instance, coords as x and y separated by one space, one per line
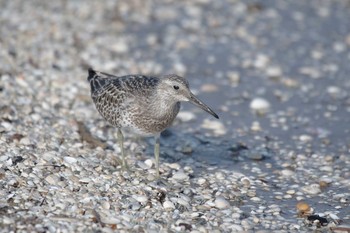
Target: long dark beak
194 100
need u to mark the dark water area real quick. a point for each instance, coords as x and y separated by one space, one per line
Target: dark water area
309 100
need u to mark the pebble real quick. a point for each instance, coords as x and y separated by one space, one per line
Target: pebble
180 175
303 207
174 166
287 173
106 205
256 220
8 162
260 106
326 168
234 78
217 126
3 158
333 216
51 179
246 181
334 91
201 181
69 159
235 216
8 221
236 228
208 88
274 72
182 202
312 189
25 141
305 138
120 47
140 198
221 203
85 180
261 61
310 72
255 126
110 220
6 126
325 182
220 175
290 191
185 116
49 155
148 163
255 199
142 165
253 154
180 68
168 205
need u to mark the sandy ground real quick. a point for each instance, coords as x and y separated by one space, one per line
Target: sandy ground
276 72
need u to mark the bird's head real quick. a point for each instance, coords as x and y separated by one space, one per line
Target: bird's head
176 89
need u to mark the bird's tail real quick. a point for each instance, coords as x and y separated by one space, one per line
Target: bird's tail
92 74
98 80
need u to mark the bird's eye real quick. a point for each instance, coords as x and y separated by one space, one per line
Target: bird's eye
176 87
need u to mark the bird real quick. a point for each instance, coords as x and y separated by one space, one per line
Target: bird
146 105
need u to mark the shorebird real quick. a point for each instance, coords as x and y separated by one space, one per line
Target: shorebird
147 105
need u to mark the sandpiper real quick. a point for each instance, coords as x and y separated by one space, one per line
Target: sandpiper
145 104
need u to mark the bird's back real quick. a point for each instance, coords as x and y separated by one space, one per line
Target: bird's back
135 84
118 98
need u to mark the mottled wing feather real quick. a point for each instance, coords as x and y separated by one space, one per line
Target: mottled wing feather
139 91
116 98
108 101
98 81
138 84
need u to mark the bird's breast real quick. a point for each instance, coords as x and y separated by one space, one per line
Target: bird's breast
155 119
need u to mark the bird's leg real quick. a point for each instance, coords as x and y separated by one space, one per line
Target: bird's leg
121 145
156 151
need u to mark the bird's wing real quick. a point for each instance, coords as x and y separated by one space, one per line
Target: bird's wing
99 82
122 91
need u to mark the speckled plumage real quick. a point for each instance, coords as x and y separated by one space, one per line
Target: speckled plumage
147 105
130 102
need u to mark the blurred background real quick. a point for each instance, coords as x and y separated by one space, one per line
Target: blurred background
289 59
276 72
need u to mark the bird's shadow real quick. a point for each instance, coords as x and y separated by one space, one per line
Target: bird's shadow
201 152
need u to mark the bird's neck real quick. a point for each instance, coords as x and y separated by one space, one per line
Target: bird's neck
166 108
